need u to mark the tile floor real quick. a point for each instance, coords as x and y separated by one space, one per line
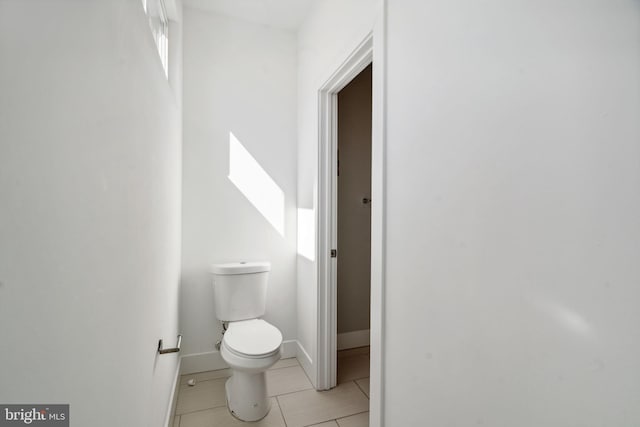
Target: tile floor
294 401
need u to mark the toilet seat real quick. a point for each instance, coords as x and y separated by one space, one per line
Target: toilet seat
252 338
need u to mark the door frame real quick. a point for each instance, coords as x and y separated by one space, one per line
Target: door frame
326 218
357 61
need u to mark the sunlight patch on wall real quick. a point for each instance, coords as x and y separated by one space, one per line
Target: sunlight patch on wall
256 184
306 234
569 319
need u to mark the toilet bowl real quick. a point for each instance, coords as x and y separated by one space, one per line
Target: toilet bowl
249 345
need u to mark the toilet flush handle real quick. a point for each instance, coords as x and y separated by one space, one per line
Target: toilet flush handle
225 325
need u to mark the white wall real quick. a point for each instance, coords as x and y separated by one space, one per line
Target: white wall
512 213
238 77
331 32
89 212
354 216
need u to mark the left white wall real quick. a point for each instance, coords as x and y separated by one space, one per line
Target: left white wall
90 174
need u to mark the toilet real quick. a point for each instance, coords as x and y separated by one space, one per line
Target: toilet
249 344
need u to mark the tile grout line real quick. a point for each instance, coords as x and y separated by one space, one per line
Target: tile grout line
281 411
225 405
295 391
360 388
275 396
213 379
322 422
284 367
202 381
354 379
308 379
214 370
202 410
332 419
352 415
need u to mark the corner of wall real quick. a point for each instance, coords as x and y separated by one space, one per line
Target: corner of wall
307 363
173 399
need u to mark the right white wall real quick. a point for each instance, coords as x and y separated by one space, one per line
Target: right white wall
513 213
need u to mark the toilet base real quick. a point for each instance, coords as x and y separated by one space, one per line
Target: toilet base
247 395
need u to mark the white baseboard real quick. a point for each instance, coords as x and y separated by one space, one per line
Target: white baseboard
212 361
174 395
289 349
353 339
201 362
307 363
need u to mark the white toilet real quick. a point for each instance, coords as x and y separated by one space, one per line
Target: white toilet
249 345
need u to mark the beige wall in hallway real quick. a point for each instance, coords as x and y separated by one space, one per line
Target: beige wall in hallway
354 216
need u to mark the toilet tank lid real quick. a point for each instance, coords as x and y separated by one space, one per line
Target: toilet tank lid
241 268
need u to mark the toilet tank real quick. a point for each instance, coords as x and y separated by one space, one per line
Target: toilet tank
240 290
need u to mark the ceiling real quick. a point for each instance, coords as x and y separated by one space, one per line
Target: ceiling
285 14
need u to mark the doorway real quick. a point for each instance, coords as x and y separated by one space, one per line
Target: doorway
354 120
327 220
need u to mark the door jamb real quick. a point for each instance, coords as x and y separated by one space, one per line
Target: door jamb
357 61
